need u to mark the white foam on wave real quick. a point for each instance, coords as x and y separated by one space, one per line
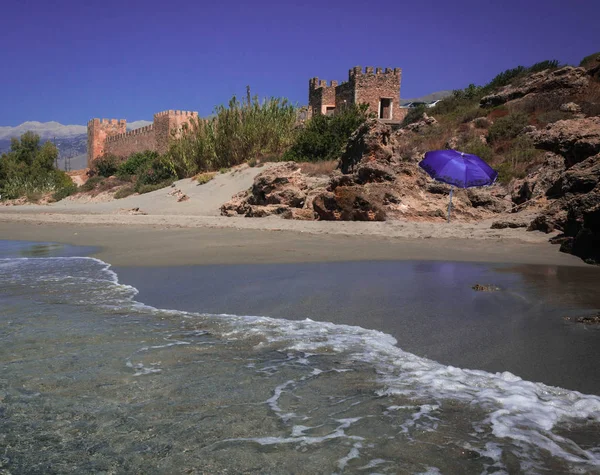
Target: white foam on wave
522 411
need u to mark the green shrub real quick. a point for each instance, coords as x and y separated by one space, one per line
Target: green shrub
91 183
124 192
135 163
28 170
324 137
543 65
106 165
477 147
63 192
158 171
507 127
589 60
414 114
521 153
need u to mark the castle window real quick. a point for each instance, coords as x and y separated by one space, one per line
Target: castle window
329 110
385 108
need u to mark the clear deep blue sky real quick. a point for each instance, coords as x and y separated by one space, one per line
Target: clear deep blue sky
72 60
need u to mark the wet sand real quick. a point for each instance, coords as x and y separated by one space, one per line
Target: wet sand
418 290
161 245
429 307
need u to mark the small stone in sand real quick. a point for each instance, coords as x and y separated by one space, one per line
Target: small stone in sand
586 320
485 288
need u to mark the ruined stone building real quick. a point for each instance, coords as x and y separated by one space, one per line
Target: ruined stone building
378 88
110 136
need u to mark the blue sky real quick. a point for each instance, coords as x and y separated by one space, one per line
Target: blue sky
73 60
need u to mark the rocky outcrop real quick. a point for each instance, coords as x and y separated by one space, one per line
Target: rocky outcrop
574 139
422 124
536 184
567 80
276 191
576 210
375 181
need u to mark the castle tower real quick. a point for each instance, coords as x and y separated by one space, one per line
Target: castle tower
378 88
98 130
168 125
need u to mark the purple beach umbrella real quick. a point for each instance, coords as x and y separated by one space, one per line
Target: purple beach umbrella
458 169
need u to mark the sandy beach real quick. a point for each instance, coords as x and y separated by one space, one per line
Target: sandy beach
193 232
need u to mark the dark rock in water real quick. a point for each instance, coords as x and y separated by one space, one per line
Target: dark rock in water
507 224
586 319
485 288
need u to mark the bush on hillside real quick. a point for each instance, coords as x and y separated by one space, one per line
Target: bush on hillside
135 163
324 137
414 114
590 59
105 165
157 172
507 127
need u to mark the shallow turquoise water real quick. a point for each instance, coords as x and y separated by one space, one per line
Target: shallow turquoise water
93 381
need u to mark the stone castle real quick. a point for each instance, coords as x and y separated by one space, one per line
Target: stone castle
378 88
110 136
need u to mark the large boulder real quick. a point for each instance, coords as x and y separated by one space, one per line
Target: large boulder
370 142
537 184
275 191
422 124
574 139
349 203
567 80
576 210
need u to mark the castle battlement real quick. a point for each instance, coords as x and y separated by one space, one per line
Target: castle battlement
175 113
379 88
110 136
147 129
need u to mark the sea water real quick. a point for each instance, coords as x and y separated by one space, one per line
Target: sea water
93 381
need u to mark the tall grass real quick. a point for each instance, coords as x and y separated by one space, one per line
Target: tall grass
238 132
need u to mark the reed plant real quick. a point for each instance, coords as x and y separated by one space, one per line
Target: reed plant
241 131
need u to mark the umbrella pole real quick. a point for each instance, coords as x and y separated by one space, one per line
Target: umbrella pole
450 203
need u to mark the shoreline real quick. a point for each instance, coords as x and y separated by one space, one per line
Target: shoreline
155 242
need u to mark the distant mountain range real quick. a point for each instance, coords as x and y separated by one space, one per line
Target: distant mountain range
434 96
71 140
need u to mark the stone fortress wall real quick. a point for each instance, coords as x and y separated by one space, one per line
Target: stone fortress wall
378 88
110 136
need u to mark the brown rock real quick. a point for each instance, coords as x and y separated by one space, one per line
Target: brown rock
508 224
574 139
370 142
537 184
480 197
423 124
567 80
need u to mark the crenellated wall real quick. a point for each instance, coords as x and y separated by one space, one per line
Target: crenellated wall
111 136
132 141
378 88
